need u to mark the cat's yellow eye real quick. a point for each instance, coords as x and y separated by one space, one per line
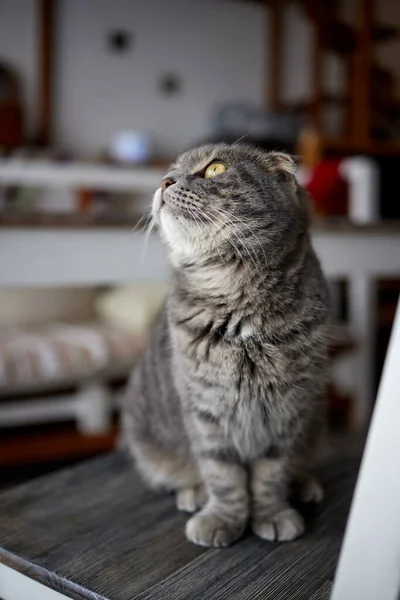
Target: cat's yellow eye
215 168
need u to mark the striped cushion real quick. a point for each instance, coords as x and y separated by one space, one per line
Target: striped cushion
62 351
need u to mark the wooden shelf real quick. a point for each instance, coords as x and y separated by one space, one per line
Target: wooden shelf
27 172
71 220
346 146
340 38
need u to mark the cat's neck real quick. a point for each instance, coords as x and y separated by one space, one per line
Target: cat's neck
216 283
229 284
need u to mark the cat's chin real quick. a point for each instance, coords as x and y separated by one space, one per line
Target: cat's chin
176 231
186 239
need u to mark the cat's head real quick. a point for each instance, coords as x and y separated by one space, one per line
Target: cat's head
224 199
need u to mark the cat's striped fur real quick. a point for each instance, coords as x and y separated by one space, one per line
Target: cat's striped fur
226 405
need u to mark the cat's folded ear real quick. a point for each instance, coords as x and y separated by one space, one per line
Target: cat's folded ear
282 164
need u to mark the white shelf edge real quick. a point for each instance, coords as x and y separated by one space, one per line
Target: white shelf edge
49 174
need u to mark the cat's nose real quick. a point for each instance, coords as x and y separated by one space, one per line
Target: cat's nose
166 182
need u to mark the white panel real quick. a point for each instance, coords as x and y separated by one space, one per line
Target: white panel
355 253
15 586
100 255
86 257
369 561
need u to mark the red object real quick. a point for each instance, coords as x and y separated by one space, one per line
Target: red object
328 189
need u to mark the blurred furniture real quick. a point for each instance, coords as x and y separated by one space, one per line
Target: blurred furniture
46 173
95 255
368 105
59 373
368 101
55 384
77 251
95 531
65 377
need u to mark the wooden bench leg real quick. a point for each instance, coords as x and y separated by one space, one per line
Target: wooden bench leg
94 408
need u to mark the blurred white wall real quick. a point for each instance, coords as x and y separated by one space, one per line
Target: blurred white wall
219 48
216 47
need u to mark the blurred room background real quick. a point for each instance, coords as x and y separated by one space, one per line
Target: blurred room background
96 98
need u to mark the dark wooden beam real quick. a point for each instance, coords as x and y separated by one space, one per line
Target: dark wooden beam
45 71
317 71
361 75
52 446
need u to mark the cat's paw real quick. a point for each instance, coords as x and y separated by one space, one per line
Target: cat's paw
310 490
208 529
191 499
284 526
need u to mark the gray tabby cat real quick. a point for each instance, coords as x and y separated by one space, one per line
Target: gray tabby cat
226 406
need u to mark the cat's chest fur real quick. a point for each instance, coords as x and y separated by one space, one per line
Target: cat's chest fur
225 371
248 430
228 351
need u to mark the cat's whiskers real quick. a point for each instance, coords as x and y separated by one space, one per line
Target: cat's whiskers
231 231
244 135
195 217
232 219
245 246
201 213
219 228
149 229
146 217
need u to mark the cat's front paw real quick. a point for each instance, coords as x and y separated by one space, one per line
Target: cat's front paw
210 529
284 526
